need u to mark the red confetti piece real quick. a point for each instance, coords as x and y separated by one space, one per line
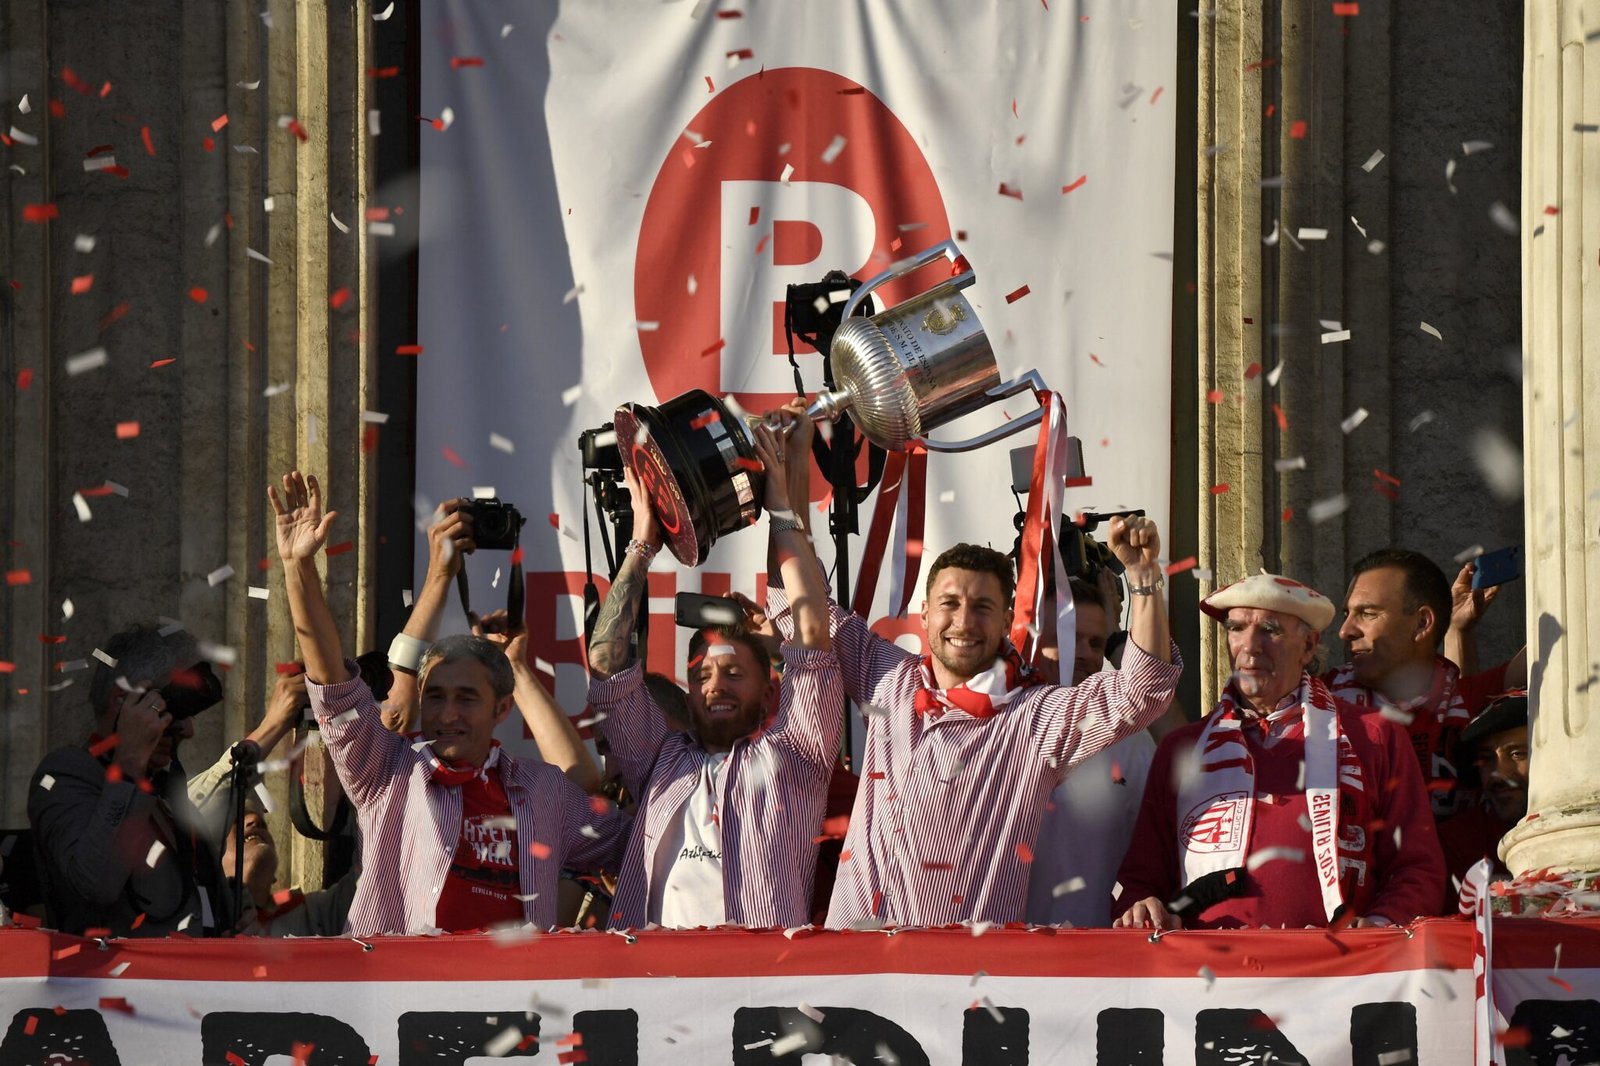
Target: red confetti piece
457 62
1283 419
149 145
516 555
339 298
115 313
383 72
75 82
40 212
46 638
1270 109
377 214
31 1025
103 745
755 215
1214 396
1157 94
598 805
539 850
24 378
1078 482
1516 1036
1251 371
1559 983
127 430
1006 190
298 130
162 362
1346 9
198 295
1297 129
1381 476
208 144
18 577
1262 64
235 1060
57 109
575 1055
1075 185
844 855
1016 294
287 669
938 866
533 1038
730 14
571 1040
82 284
116 1003
715 348
710 88
1288 513
7 667
741 53
341 547
452 458
301 1052
219 122
408 349
705 420
1024 852
749 464
555 520
1218 490
1178 566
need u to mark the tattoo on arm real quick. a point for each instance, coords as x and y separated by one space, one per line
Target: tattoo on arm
610 648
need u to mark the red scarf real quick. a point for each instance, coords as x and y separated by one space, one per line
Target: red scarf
1433 721
982 695
454 774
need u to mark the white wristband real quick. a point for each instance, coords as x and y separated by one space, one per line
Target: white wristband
405 652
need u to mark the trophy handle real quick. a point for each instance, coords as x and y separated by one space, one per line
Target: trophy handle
1030 380
945 249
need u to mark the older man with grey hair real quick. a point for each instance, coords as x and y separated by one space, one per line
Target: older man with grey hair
457 835
1283 807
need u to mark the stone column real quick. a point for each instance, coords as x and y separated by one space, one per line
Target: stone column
1561 434
1229 310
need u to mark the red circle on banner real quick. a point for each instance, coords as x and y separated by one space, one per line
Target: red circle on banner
747 124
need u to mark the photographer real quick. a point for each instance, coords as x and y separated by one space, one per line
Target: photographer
120 846
450 540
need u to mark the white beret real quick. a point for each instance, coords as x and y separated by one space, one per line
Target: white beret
1269 592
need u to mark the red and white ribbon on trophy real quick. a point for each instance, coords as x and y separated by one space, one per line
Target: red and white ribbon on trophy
902 503
1040 554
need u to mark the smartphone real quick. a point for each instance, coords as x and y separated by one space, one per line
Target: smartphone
696 611
1497 567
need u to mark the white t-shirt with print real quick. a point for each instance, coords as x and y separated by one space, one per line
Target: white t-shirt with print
686 889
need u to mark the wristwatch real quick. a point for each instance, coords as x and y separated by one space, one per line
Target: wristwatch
1151 589
778 525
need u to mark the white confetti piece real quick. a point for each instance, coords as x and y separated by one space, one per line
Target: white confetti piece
483 492
1266 855
1397 716
377 418
505 31
591 832
99 162
543 667
259 593
570 396
276 390
67 610
1312 233
268 203
1500 462
1395 1057
103 657
1449 176
1336 336
213 233
47 782
994 1012
503 1042
947 496
788 171
647 327
1373 160
1376 247
693 285
1332 507
1420 420
249 86
1359 227
759 1044
416 746
257 256
74 665
1473 552
24 106
29 139
154 854
383 16
265 797
311 427
1274 374
120 968
1472 147
1071 884
572 294
811 1012
494 583
84 243
169 626
221 654
503 444
1354 419
1208 976
1201 573
81 505
1431 331
835 146
1282 465
83 362
407 597
447 117
346 717
374 123
340 226
380 229
219 575
1504 217
785 1045
1271 239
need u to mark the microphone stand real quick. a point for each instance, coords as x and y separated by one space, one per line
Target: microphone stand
245 754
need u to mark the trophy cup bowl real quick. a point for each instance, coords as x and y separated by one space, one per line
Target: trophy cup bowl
695 460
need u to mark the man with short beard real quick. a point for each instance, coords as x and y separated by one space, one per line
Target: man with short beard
1496 743
730 810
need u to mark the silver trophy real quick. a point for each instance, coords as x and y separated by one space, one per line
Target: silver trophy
924 362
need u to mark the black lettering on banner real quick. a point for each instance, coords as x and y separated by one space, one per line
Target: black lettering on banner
71 1036
256 1036
1380 1029
858 1035
1132 1036
450 1038
987 1042
1558 1031
1225 1037
610 1037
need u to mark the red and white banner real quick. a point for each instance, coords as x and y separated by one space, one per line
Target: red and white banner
615 195
1005 998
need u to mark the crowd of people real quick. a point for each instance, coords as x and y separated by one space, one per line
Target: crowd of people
991 789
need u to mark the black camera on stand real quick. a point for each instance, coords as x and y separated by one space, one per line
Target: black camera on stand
496 525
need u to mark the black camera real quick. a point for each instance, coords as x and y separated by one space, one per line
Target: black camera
1082 555
191 690
599 448
495 525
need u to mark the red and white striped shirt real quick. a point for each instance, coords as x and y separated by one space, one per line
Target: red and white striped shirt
772 792
410 825
949 806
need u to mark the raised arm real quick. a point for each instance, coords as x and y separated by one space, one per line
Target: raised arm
449 538
790 544
302 531
611 647
551 729
1137 545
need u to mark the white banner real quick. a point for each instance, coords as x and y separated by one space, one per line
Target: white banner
1007 998
620 192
